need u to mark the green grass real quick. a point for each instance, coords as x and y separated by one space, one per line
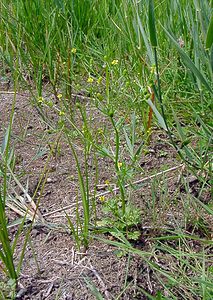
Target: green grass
139 64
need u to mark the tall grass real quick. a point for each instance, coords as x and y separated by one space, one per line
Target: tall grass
45 48
7 246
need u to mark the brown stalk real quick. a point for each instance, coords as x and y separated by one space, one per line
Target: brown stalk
150 110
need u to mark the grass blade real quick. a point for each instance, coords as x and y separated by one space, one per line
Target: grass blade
209 37
93 289
152 29
188 62
157 114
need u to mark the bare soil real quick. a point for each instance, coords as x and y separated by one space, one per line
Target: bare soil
52 267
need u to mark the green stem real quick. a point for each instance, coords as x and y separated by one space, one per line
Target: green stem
107 85
84 195
119 177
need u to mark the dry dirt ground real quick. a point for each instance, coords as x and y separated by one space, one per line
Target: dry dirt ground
52 267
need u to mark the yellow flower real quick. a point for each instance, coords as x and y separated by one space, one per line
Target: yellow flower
102 198
99 80
61 113
90 80
119 165
107 181
40 99
59 96
114 62
73 50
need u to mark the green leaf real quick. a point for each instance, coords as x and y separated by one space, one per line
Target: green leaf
152 29
139 149
73 230
206 207
129 144
133 235
157 114
5 140
209 36
146 42
103 151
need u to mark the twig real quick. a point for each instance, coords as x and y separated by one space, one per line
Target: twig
61 216
6 92
149 281
73 256
12 93
141 180
60 209
116 189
